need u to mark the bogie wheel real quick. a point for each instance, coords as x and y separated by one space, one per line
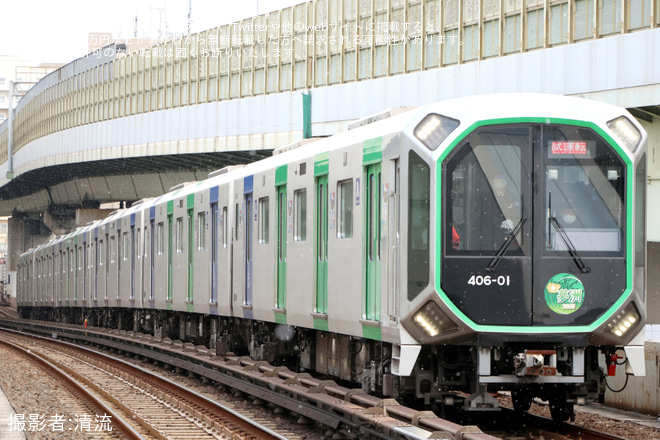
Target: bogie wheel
560 409
522 400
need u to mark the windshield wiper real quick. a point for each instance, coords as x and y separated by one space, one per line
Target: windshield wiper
569 245
500 252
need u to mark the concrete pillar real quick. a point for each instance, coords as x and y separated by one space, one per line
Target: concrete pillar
84 216
23 234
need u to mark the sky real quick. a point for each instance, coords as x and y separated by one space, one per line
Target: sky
52 31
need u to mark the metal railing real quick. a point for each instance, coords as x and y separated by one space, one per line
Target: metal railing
313 44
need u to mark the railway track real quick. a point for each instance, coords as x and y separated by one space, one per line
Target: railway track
349 412
138 404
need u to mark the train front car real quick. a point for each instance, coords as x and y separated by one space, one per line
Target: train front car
539 254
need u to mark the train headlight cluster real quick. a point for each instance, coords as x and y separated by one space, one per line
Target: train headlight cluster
434 129
432 321
624 320
626 132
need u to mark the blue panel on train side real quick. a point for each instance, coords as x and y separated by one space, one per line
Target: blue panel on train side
133 219
248 184
214 194
152 213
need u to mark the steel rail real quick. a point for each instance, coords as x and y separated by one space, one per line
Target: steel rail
77 388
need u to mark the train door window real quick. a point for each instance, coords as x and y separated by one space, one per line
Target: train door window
119 253
138 246
237 222
126 246
584 191
201 231
264 220
300 216
223 230
101 253
419 214
113 250
178 239
345 211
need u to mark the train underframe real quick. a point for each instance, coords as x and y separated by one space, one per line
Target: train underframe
464 376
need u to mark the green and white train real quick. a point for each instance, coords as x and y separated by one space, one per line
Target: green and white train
441 253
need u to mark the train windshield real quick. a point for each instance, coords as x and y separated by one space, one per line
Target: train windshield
524 205
488 180
583 192
490 191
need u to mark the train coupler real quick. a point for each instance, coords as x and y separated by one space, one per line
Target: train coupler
536 363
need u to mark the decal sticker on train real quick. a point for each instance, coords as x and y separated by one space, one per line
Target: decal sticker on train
564 293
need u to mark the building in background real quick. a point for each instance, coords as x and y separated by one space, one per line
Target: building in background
19 71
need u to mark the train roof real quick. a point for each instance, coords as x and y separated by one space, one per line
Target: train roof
512 105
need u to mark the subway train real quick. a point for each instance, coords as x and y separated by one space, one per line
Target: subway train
435 254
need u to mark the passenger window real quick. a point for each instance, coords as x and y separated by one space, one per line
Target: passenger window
419 214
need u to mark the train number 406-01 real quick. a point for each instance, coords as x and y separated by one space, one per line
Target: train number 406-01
487 280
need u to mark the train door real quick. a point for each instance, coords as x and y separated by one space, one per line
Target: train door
215 222
191 247
170 249
108 254
280 300
393 262
248 239
373 192
321 263
62 274
152 254
84 266
133 250
95 267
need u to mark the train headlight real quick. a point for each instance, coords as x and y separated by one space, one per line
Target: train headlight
432 321
624 320
626 132
434 129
